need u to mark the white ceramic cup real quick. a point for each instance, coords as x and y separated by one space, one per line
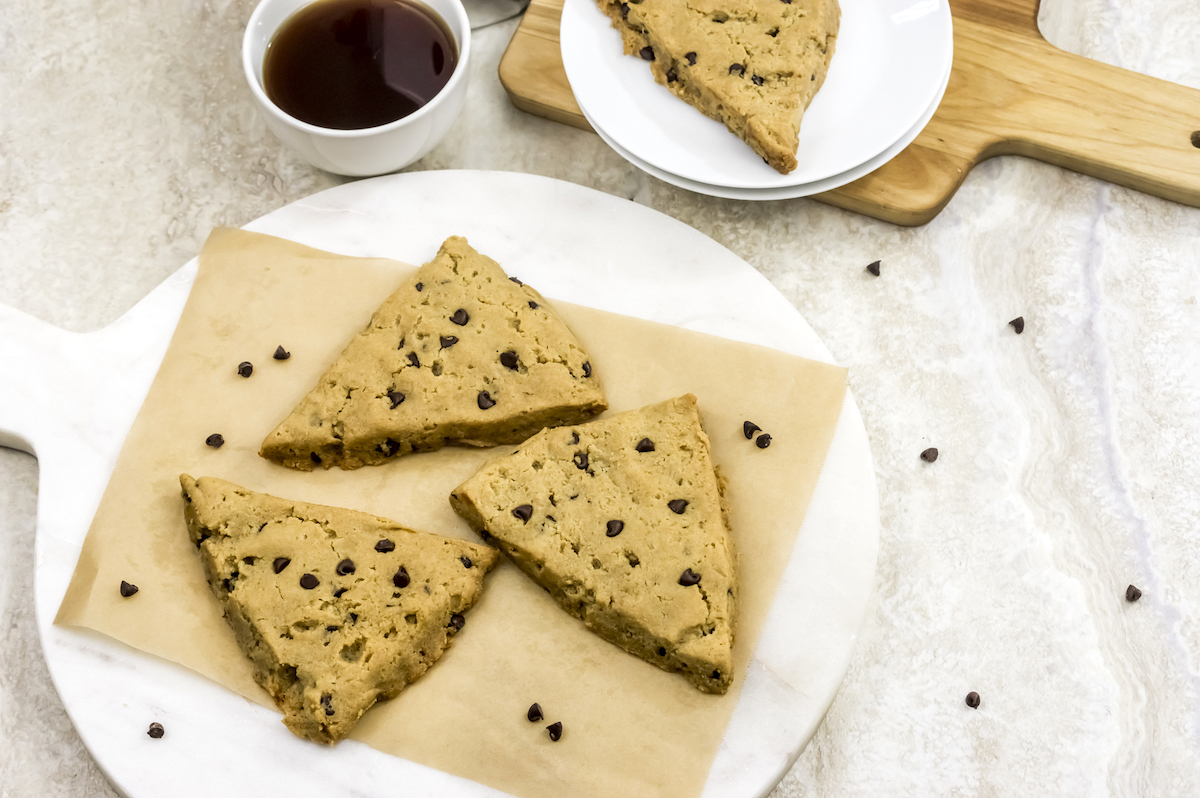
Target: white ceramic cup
369 151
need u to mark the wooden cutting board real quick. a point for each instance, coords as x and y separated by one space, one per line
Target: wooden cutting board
1011 93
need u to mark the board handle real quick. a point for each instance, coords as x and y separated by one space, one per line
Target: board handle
32 362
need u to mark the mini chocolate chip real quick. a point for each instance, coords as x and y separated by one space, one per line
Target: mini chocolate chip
515 280
749 428
812 77
509 360
413 360
756 80
308 581
535 713
715 675
647 53
691 58
1018 324
156 731
689 578
316 458
327 704
929 455
973 699
345 567
252 560
460 317
485 400
574 437
614 528
280 563
127 589
245 369
281 353
400 578
448 341
215 440
228 583
737 69
354 617
555 730
763 441
331 628
581 460
678 505
339 592
1196 139
466 561
1131 592
662 652
457 621
645 445
587 369
389 447
384 546
671 76
624 10
420 286
533 304
773 32
524 512
873 268
396 397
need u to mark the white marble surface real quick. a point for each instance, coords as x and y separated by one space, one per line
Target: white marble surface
1069 454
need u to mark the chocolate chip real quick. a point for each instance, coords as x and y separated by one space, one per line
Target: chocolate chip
1131 592
308 581
252 560
327 704
535 713
509 360
873 268
281 353
457 621
460 317
929 455
749 428
338 593
466 561
763 441
515 280
737 69
524 512
413 360
587 369
331 628
316 458
614 528
647 53
756 80
345 567
127 589
555 730
396 397
574 437
245 369
973 699
448 341
420 286
691 58
384 546
624 10
662 652
156 731
645 445
715 675
228 583
485 400
689 578
533 304
280 563
400 578
678 506
389 447
581 460
1018 324
215 440
773 32
671 76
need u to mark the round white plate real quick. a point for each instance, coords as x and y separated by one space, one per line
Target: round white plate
217 743
889 62
786 192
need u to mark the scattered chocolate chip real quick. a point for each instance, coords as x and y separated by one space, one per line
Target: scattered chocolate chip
614 528
413 360
737 69
587 369
396 397
400 578
460 317
749 428
1131 592
873 268
662 652
574 437
127 589
245 369
228 583
647 53
384 546
485 400
535 713
448 341
281 353
624 10
555 730
252 560
515 280
389 447
308 581
316 458
678 506
533 304
156 731
973 699
929 455
715 675
763 441
466 561
524 512
773 32
338 593
645 445
280 563
756 80
345 567
420 286
689 578
216 440
457 621
509 360
1196 139
671 76
691 58
581 460
327 704
331 628
1018 324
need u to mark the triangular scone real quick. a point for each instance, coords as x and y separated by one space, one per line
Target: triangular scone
461 354
622 521
753 65
337 609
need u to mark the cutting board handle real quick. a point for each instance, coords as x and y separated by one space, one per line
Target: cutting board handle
35 376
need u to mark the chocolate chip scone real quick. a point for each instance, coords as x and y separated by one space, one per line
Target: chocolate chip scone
753 65
622 520
461 354
336 609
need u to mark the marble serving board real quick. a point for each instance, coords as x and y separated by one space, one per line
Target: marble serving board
70 399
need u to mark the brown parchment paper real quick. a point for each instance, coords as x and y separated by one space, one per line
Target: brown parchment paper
630 729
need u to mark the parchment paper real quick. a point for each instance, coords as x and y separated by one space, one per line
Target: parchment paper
629 728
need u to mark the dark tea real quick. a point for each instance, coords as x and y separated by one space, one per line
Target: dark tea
353 64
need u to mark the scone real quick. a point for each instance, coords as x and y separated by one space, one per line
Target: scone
337 609
460 354
753 65
622 520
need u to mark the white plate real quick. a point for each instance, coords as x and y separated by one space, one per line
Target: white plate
217 743
786 192
890 59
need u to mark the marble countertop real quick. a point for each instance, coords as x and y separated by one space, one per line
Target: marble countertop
1069 455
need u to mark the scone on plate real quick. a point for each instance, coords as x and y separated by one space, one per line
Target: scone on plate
753 65
622 520
460 354
337 609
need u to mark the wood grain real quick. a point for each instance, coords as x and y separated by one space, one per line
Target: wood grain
1011 93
